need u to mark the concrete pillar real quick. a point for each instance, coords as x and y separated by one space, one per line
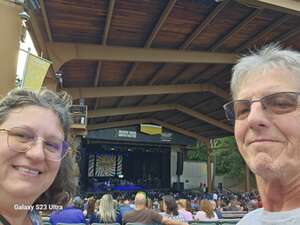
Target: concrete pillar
10 25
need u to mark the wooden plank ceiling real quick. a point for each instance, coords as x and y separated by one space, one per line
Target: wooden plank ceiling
187 96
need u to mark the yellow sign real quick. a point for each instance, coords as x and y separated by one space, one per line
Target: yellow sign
35 72
151 129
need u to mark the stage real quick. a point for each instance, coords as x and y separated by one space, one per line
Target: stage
124 167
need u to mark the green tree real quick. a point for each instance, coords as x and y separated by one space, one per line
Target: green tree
229 162
197 152
225 154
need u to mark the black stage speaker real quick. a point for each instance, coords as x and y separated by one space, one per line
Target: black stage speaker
220 187
178 186
179 169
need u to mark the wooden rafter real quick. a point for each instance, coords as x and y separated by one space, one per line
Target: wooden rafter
104 41
64 52
287 6
204 24
155 108
180 130
262 33
149 41
191 37
288 35
152 36
114 91
196 33
108 21
236 29
46 21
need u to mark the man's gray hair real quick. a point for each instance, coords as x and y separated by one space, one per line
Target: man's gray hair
269 56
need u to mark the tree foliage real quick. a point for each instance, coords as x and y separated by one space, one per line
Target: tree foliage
228 159
225 154
197 153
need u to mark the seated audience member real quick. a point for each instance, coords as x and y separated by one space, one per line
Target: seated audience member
216 210
234 205
207 212
171 209
149 203
124 207
147 216
107 211
71 214
35 167
182 210
91 215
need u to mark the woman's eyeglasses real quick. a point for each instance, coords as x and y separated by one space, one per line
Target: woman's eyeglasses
21 140
278 103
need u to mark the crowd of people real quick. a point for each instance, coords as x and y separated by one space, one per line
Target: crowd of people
154 207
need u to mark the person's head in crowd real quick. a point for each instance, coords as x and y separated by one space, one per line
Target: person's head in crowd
181 203
107 212
206 207
265 87
213 204
169 205
78 202
91 204
35 167
140 200
149 203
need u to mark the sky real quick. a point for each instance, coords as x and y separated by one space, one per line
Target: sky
22 54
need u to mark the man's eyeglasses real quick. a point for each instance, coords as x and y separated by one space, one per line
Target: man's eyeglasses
278 103
21 140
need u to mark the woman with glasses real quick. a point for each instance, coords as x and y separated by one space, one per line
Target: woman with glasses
265 111
35 169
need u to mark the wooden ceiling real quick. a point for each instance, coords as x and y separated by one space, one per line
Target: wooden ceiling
164 61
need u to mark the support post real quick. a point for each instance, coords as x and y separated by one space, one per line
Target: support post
10 24
209 155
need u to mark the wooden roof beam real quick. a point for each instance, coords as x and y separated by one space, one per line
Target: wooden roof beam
39 37
204 117
263 32
46 21
108 21
152 36
63 52
129 110
155 108
105 36
194 35
104 92
111 7
291 7
204 24
180 130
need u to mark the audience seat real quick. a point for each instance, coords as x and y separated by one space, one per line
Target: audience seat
70 224
105 224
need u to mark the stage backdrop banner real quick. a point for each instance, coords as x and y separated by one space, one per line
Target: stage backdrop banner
35 71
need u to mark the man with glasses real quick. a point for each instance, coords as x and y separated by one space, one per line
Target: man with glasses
265 111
